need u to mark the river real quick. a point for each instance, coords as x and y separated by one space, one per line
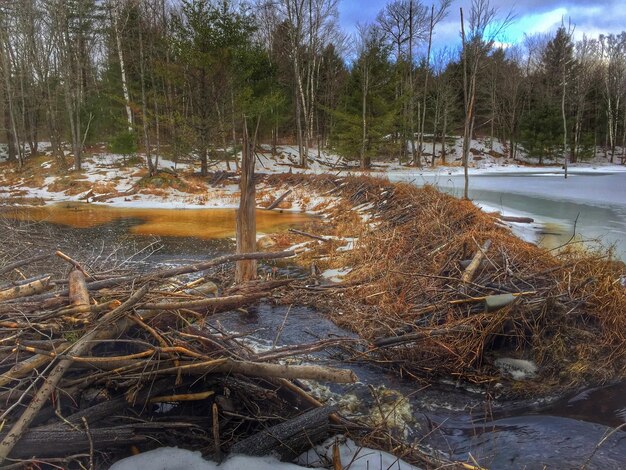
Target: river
458 421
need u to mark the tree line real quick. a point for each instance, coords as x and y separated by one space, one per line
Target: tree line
181 77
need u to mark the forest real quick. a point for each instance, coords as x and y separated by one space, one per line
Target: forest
174 78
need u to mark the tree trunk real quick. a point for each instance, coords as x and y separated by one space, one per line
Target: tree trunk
423 120
443 135
204 163
6 65
365 163
246 214
144 108
118 42
565 159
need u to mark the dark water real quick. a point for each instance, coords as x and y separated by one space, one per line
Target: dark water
562 434
452 420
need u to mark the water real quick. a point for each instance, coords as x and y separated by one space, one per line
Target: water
205 224
591 205
561 434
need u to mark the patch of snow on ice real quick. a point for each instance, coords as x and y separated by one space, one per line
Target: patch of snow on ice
349 246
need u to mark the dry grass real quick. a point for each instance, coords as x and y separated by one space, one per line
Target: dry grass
70 185
163 181
407 271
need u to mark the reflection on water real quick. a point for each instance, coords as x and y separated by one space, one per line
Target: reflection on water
197 223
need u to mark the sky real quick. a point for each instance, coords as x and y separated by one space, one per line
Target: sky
531 16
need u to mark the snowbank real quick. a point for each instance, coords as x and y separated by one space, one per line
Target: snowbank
352 456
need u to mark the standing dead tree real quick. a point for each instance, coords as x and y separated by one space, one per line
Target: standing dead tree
246 270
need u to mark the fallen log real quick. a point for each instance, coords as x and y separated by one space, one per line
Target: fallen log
26 290
232 301
278 200
62 442
310 235
23 262
21 282
470 300
519 220
103 307
420 335
262 369
107 408
25 367
291 438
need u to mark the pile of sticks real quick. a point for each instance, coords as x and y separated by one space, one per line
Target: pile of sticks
440 288
97 366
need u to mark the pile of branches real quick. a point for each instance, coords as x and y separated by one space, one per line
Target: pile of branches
441 288
100 365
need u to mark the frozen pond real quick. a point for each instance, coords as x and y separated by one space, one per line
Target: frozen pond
591 204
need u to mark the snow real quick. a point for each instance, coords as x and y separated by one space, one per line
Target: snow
336 275
105 167
172 458
349 246
352 457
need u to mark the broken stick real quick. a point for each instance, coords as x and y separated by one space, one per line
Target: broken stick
469 272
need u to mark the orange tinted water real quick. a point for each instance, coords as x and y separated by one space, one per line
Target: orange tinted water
199 223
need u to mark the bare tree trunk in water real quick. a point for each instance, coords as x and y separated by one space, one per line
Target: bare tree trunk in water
565 158
246 216
423 120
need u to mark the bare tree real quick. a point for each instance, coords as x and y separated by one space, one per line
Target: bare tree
484 28
435 17
7 71
444 96
312 24
116 10
613 54
585 74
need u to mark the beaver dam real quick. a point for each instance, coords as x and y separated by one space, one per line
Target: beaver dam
440 288
101 359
